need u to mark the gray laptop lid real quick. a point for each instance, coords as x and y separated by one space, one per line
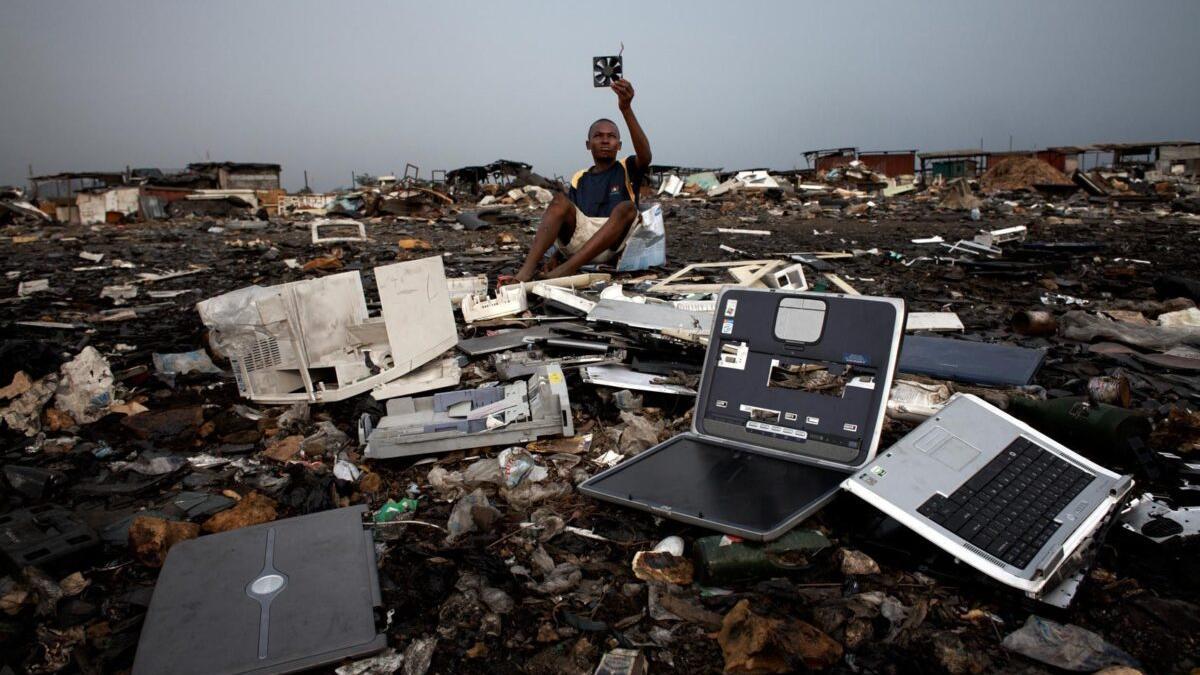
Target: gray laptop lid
804 376
272 598
764 456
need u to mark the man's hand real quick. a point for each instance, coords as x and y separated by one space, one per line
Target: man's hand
624 94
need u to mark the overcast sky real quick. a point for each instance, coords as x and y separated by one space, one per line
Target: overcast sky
339 86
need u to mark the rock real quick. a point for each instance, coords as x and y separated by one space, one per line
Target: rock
857 563
627 400
496 600
662 566
19 385
384 663
371 483
546 633
639 434
252 509
54 420
757 644
561 579
477 651
418 655
73 584
151 538
283 449
178 424
24 412
327 440
953 655
474 512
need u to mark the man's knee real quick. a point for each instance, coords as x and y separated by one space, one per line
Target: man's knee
624 212
560 203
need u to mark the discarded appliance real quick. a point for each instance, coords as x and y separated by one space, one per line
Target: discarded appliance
577 281
933 321
505 340
671 185
789 278
314 340
348 229
461 287
563 298
508 414
1014 233
999 496
650 316
792 398
279 597
1157 521
755 270
433 375
42 534
971 362
511 365
624 377
509 300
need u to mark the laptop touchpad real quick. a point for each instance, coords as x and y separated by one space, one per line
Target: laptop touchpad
955 453
947 448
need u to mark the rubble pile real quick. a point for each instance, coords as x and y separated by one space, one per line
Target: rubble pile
180 381
1020 173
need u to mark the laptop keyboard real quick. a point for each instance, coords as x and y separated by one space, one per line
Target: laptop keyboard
1008 508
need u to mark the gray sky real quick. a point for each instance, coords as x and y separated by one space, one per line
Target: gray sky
340 86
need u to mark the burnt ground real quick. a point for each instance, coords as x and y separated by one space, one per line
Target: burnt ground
1140 597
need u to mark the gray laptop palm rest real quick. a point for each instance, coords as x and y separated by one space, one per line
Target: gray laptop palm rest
280 597
792 397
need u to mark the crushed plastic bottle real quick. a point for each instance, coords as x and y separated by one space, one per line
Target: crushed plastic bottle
394 509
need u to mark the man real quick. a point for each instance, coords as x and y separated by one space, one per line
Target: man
591 223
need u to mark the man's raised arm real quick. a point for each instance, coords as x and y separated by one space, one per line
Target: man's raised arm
641 146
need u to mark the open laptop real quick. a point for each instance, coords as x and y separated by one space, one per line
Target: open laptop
998 495
792 398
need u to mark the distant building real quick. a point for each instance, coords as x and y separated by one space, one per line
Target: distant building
1168 157
950 164
60 195
1065 158
238 175
830 158
890 163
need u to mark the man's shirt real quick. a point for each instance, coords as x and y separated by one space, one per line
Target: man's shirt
597 194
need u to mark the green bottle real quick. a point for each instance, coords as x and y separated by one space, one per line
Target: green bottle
1098 431
722 559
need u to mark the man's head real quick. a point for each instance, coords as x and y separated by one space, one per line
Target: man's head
604 140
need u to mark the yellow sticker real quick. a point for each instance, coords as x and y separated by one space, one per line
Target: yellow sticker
555 378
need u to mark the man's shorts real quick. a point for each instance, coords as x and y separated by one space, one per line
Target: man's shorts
586 227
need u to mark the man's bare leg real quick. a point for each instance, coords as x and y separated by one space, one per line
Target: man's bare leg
608 236
560 212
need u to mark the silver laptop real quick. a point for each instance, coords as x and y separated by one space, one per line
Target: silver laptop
998 495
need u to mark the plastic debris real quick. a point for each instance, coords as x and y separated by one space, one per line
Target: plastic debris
1065 646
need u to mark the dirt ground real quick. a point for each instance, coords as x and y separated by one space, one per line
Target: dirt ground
1140 598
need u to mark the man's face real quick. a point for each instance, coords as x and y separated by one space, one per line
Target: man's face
604 141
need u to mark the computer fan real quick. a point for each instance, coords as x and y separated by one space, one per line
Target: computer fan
605 70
